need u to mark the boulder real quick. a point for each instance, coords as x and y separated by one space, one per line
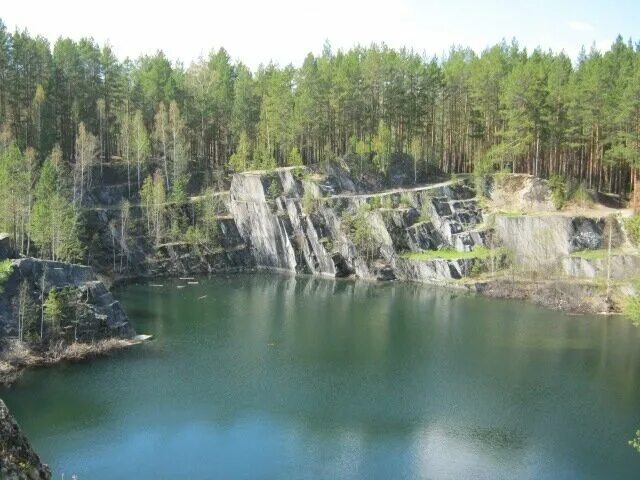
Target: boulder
18 461
6 247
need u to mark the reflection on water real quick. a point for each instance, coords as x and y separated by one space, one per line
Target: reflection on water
298 377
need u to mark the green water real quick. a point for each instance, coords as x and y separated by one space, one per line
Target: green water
294 377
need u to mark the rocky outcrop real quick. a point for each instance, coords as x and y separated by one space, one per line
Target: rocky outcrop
325 221
292 223
267 230
6 247
543 240
104 317
18 461
619 267
518 192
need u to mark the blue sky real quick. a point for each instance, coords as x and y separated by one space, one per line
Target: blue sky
285 30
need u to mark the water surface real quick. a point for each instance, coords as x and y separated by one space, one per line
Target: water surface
266 376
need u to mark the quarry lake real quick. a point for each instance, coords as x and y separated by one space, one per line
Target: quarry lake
269 376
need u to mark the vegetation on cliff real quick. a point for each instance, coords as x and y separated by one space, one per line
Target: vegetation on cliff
69 110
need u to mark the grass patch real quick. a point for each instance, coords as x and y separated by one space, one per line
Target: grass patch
510 213
6 266
592 254
451 254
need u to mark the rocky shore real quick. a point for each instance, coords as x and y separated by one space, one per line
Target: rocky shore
89 321
18 461
16 357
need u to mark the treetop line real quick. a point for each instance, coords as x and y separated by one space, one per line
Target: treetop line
79 106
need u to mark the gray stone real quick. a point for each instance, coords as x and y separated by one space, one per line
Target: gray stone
618 267
106 316
6 247
18 460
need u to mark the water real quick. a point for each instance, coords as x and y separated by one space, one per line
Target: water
294 377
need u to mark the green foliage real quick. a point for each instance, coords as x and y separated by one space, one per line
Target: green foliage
263 159
205 232
375 202
209 220
635 442
382 148
631 307
501 177
179 189
358 228
580 195
309 202
386 201
451 254
506 108
241 159
558 186
632 227
425 212
153 198
477 268
54 223
6 267
405 201
61 310
592 254
294 159
275 189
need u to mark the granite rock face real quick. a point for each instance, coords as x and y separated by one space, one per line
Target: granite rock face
106 317
519 192
304 223
542 241
291 223
619 267
6 247
18 461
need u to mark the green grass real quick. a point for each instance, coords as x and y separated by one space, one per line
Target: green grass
450 254
6 266
593 254
510 213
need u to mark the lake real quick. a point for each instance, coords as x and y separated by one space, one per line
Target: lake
275 376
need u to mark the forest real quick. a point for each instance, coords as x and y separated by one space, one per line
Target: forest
68 109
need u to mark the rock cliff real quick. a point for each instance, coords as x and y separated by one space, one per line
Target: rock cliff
327 221
103 315
18 461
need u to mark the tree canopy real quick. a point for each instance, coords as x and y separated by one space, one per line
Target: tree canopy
503 108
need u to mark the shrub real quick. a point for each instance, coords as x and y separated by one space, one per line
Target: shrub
405 201
581 195
294 159
309 202
6 266
274 190
375 202
558 186
632 226
631 308
359 230
61 310
425 212
477 268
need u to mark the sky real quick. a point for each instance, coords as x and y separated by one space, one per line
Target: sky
284 31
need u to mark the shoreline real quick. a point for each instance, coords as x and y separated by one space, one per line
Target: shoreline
16 358
571 296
